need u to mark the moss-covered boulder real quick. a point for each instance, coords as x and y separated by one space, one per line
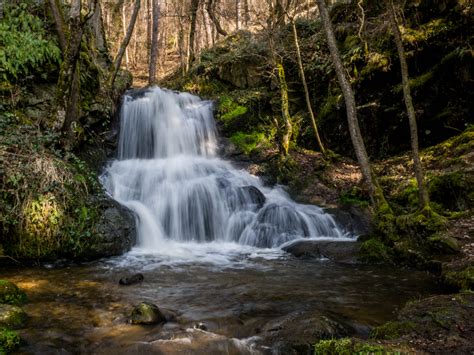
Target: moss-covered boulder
11 294
147 313
9 341
459 280
347 346
12 316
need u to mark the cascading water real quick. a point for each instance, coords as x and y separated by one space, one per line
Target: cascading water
168 173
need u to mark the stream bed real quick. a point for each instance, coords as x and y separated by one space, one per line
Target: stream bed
247 300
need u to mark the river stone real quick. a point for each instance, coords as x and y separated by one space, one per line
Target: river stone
115 230
338 251
131 280
298 331
353 219
11 294
12 316
147 313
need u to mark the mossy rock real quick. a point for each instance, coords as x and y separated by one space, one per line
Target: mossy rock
443 244
12 316
460 280
11 294
9 341
393 330
374 251
147 313
347 346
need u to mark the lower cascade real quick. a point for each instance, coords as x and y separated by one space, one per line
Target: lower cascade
169 174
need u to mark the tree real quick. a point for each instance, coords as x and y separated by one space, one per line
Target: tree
210 7
192 33
123 46
154 42
375 191
305 86
423 198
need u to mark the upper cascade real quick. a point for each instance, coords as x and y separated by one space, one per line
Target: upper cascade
168 173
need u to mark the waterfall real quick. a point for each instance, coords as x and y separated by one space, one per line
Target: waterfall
169 174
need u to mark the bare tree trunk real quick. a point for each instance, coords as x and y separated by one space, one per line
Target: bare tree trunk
124 29
375 191
148 25
285 129
210 6
192 33
306 91
238 14
123 46
423 198
207 26
154 42
59 23
246 13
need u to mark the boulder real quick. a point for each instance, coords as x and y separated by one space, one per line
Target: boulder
339 251
131 280
353 219
12 316
146 314
11 294
115 230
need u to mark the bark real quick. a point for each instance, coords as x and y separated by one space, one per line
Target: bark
192 34
238 14
285 129
59 23
154 42
246 13
123 46
306 91
423 198
210 6
354 129
124 29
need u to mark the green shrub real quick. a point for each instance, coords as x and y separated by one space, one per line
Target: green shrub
9 341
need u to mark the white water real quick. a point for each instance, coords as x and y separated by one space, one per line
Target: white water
184 195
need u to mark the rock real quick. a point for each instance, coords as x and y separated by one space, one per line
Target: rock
12 316
298 331
352 219
11 294
342 252
147 313
115 230
200 326
443 245
131 280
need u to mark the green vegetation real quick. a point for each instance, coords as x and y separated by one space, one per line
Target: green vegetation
21 31
11 294
393 330
347 346
460 280
9 341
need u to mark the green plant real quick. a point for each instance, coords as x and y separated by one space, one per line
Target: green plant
25 46
9 341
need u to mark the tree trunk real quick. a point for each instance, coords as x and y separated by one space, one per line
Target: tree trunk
192 34
238 14
375 191
306 91
285 129
154 42
246 13
423 198
124 29
123 46
59 23
210 6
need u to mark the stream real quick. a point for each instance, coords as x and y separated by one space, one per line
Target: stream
209 248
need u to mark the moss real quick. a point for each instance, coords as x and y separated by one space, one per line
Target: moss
11 294
354 196
12 316
460 280
346 346
374 251
248 142
9 341
442 244
454 191
393 330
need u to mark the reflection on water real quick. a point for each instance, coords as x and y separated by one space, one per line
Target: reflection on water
83 309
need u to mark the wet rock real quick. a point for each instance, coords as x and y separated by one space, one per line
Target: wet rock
12 316
338 251
254 195
296 332
11 294
200 326
115 230
131 280
352 219
147 313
